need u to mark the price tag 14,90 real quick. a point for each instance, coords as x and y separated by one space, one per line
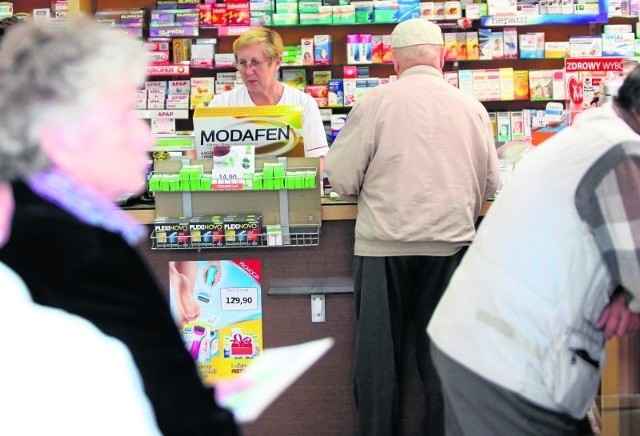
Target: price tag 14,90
239 298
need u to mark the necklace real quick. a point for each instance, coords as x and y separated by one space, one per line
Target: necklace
274 101
278 95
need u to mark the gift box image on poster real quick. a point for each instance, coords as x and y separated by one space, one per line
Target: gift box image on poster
217 306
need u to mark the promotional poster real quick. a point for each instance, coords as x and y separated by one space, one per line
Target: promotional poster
218 308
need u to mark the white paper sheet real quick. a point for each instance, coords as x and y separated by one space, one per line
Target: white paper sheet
270 374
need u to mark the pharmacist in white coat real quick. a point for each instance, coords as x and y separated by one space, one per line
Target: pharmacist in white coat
258 54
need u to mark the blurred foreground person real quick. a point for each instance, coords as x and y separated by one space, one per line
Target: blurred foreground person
60 374
70 133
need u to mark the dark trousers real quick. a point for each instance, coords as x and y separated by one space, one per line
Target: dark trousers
475 406
393 295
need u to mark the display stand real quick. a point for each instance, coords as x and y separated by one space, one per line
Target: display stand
297 211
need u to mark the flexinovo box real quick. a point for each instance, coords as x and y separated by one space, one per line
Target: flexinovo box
171 232
206 231
242 229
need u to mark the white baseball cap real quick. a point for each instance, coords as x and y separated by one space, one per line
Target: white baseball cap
416 31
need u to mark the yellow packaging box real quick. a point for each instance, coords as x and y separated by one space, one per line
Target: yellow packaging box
273 130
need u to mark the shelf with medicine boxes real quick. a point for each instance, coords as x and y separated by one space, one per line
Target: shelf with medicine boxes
510 82
353 76
285 212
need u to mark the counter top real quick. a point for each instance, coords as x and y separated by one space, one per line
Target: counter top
331 209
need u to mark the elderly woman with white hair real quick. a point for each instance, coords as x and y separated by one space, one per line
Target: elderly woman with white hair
71 135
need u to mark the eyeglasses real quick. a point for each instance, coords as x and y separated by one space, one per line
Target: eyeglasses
243 65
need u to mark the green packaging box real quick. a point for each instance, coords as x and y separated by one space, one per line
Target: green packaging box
309 7
310 180
262 5
285 19
267 183
316 18
385 15
174 182
344 17
278 183
267 170
154 183
286 8
164 184
258 182
205 183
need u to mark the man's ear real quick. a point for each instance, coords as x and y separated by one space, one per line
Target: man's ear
396 65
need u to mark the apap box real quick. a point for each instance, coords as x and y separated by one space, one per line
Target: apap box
272 130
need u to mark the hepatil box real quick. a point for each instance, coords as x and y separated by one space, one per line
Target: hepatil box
201 91
272 130
323 54
498 45
202 53
376 49
319 93
618 44
521 84
510 48
506 84
450 47
493 84
484 43
472 46
465 81
540 85
557 90
528 45
493 118
295 77
335 98
556 49
517 125
479 83
307 51
584 46
504 126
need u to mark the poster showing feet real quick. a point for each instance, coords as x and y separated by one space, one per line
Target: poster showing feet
217 306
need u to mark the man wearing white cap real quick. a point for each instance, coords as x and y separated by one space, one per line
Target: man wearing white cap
418 155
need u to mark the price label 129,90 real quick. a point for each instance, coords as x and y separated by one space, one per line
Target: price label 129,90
239 298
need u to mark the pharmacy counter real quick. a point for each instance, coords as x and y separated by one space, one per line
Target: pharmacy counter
321 402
